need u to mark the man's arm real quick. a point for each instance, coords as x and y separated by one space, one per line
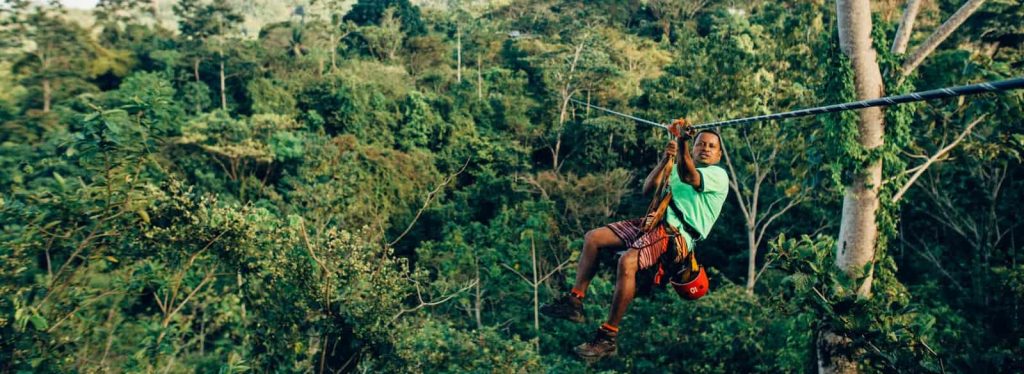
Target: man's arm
687 169
650 183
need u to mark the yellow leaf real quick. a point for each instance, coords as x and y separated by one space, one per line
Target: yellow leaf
792 190
142 214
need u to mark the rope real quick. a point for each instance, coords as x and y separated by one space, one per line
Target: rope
941 93
641 120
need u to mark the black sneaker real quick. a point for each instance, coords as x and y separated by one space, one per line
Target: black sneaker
602 345
566 307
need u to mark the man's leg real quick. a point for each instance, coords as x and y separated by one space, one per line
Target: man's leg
570 306
604 341
625 287
593 242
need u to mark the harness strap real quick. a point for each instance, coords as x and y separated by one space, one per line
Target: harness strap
661 200
686 225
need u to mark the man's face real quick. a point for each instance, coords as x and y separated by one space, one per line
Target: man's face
707 149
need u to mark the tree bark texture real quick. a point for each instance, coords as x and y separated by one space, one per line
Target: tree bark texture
334 52
458 68
831 356
195 69
751 258
47 95
940 35
858 231
223 96
899 44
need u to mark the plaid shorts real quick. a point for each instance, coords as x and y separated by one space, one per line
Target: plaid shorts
657 253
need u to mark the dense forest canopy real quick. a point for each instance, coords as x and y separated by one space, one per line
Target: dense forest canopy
395 185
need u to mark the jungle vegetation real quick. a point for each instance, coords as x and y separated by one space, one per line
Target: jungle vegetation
394 186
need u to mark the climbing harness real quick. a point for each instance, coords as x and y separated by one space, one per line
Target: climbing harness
691 282
941 93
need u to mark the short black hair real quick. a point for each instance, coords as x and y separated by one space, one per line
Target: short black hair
711 131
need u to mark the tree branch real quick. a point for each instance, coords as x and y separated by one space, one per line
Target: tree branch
763 268
84 303
426 203
517 273
931 160
899 44
939 36
792 203
734 184
553 271
423 303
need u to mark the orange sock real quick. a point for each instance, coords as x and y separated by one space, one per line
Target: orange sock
577 293
609 327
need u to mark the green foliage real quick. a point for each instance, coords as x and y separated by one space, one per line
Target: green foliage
887 330
268 97
372 12
151 97
196 97
364 200
49 52
440 347
351 103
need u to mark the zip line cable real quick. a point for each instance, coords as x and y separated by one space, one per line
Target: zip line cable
641 120
941 93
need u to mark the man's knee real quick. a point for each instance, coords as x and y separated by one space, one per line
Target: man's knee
628 263
602 237
597 238
591 236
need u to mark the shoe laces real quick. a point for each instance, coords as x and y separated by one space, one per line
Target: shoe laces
603 335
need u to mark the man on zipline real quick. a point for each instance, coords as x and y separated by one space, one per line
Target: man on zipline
698 188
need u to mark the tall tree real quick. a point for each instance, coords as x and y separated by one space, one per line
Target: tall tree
337 28
384 40
371 12
115 15
52 49
458 15
859 231
208 28
767 171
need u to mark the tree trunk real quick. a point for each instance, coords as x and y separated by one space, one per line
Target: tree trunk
195 69
536 294
858 231
939 36
831 356
479 78
478 303
899 44
334 52
458 68
47 95
752 261
223 96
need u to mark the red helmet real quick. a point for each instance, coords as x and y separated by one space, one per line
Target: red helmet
693 289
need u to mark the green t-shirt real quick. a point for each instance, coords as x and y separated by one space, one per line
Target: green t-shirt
701 207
